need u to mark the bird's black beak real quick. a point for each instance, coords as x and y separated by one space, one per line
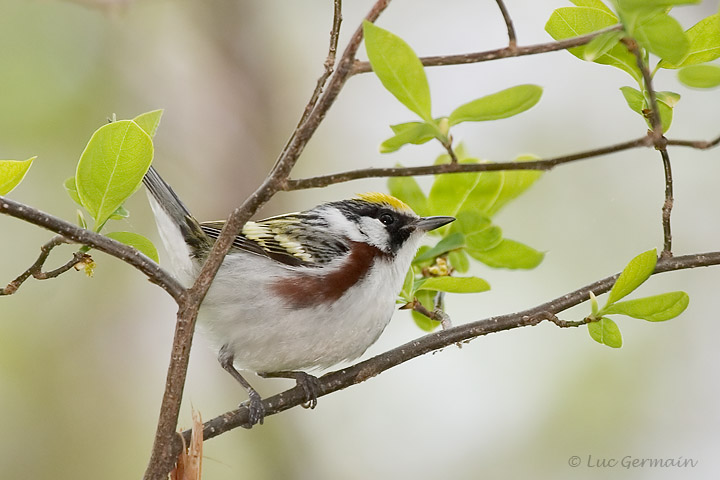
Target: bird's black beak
425 224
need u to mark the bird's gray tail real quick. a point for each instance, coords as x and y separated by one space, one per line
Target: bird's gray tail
174 220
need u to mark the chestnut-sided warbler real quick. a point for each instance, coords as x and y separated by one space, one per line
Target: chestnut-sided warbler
296 292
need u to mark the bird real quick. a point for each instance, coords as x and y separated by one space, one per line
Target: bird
297 292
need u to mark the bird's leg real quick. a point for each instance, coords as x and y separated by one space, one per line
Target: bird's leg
309 383
256 410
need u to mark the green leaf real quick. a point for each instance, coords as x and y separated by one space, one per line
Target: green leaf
509 254
112 167
149 121
657 308
571 22
649 4
71 190
666 115
601 45
593 4
485 239
594 304
426 297
81 218
634 98
662 35
120 213
633 275
605 331
639 104
451 242
407 293
515 182
408 190
451 194
454 285
704 38
12 172
416 133
459 261
399 69
138 242
700 76
503 104
668 98
470 221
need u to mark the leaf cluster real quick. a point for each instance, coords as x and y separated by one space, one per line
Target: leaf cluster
656 308
473 199
110 170
402 74
650 25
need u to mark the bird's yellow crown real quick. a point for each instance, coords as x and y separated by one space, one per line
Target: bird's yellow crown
383 198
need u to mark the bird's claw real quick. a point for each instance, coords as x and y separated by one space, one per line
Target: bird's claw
310 386
255 408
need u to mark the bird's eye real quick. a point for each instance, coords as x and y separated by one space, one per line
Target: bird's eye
387 219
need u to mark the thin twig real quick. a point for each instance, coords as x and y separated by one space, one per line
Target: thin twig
163 454
78 258
654 113
507 52
667 204
450 150
512 38
660 143
329 62
362 371
699 144
73 233
36 267
437 315
445 168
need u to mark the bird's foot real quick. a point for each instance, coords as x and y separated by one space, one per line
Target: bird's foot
256 409
309 384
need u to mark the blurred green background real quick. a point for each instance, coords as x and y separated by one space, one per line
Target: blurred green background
82 360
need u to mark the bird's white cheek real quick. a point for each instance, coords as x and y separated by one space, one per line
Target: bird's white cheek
341 226
375 233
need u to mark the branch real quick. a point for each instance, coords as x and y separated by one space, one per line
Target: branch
362 371
667 204
507 52
163 454
35 270
329 64
443 168
512 38
660 143
73 233
699 144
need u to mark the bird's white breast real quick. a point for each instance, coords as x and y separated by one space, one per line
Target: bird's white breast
266 334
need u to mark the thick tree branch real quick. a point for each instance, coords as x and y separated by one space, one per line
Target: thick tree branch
507 52
362 371
73 233
163 455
